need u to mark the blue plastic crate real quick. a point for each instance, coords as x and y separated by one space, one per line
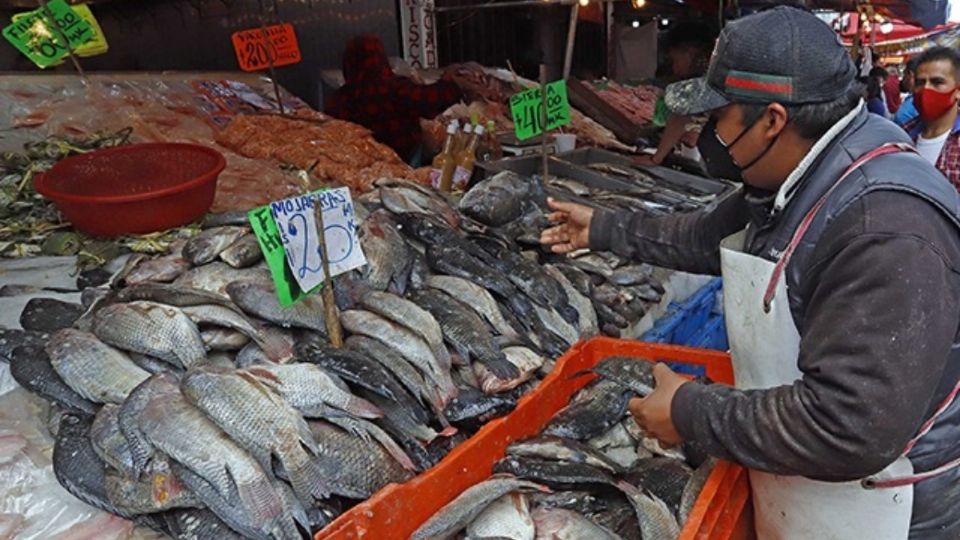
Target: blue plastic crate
695 322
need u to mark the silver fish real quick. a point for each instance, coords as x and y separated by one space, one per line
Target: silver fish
159 270
223 339
261 422
556 523
405 342
159 491
526 361
158 330
559 449
215 277
413 318
691 492
206 246
276 348
656 519
588 325
352 466
93 369
229 481
506 517
243 253
477 298
408 198
385 249
309 389
457 514
260 300
109 442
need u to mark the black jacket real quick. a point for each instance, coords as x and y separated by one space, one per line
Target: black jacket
875 292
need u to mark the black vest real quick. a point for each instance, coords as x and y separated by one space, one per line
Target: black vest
906 172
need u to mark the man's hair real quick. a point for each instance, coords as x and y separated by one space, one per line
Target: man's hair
911 66
937 54
879 72
811 120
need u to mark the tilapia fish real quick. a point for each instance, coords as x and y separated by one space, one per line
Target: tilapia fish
93 369
457 262
592 412
405 373
30 366
664 477
506 517
261 422
471 405
277 349
158 330
77 467
354 467
409 345
409 198
466 332
160 491
525 360
12 339
260 300
456 515
691 491
413 318
109 442
587 324
49 315
557 523
311 390
159 270
230 482
222 339
243 253
215 277
497 200
656 519
635 374
559 449
477 298
205 247
385 249
530 278
555 474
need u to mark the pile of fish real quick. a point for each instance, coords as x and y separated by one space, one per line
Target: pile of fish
193 403
592 473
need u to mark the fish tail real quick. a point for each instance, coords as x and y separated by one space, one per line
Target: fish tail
260 499
306 479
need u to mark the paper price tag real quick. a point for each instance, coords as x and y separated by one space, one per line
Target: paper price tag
298 231
271 244
527 110
94 46
254 53
34 36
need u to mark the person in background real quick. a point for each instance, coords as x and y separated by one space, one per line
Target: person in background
936 131
891 91
388 105
688 47
874 97
907 111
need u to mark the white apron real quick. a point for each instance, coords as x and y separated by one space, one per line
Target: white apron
764 344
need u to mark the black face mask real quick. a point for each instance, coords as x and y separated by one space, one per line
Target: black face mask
716 155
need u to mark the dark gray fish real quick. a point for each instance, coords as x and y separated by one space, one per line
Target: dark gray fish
581 502
473 407
656 519
691 491
466 332
77 467
30 366
407 198
561 523
578 278
632 275
388 255
205 247
647 292
559 449
555 474
109 442
48 315
238 218
477 298
351 466
635 374
457 514
159 491
94 370
457 262
10 340
260 300
530 278
594 410
619 517
196 524
411 316
401 422
243 253
396 364
159 270
607 316
497 200
664 477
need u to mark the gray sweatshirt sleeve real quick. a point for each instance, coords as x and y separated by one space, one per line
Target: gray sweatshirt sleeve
689 242
881 316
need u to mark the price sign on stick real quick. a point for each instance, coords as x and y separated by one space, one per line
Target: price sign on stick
271 244
254 52
527 110
34 34
298 232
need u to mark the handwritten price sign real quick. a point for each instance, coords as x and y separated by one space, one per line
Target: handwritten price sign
298 231
33 34
527 110
254 53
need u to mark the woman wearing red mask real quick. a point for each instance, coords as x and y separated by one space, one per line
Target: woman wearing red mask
937 131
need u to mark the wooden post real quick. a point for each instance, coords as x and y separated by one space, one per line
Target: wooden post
270 60
62 36
543 119
571 39
331 315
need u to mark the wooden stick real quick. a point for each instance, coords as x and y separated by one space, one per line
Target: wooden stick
331 315
543 119
571 39
270 60
61 35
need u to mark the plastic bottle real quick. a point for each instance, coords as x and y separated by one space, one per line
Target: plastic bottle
445 163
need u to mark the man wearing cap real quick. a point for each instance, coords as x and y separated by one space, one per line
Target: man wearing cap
841 267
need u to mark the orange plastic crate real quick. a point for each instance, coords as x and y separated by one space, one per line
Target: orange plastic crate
722 512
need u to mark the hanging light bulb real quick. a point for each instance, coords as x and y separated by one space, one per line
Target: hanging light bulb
635 24
637 4
886 27
584 3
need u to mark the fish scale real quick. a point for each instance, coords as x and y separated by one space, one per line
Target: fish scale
95 370
411 316
259 421
260 300
353 467
109 442
477 298
403 370
308 388
158 330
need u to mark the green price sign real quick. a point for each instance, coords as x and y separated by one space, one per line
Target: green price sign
527 110
268 235
33 33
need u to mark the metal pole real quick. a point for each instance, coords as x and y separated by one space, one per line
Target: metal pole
66 42
543 120
571 39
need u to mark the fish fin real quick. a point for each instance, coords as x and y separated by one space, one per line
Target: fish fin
258 497
389 445
304 475
351 425
264 376
449 431
362 408
501 368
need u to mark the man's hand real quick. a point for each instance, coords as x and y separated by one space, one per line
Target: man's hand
652 413
573 229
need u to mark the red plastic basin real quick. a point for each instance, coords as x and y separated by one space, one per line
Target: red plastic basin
134 189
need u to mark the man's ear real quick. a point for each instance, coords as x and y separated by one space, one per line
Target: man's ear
775 120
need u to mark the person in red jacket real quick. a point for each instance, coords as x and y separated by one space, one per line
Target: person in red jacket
388 105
